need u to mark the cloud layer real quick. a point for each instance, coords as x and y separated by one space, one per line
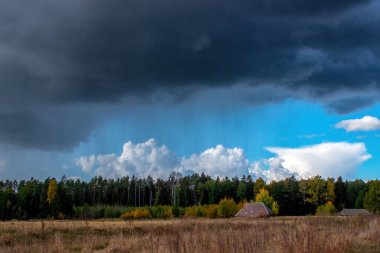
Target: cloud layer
67 54
143 159
367 123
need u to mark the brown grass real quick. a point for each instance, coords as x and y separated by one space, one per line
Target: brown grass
283 234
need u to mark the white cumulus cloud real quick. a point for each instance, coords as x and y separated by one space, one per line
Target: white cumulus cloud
218 161
367 123
86 162
330 159
142 159
271 170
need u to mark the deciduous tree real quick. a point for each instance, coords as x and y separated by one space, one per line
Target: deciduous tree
264 197
372 198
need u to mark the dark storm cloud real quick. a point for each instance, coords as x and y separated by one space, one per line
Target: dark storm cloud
57 130
81 51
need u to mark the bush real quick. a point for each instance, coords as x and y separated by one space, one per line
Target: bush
139 213
227 208
211 211
154 211
182 211
81 212
99 213
161 212
175 211
194 212
327 209
112 212
178 212
127 215
78 212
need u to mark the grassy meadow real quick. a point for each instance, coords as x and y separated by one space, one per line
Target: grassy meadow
279 234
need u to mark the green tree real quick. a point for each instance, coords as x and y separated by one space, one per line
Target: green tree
372 198
355 192
249 191
29 198
340 194
316 191
64 200
212 191
264 197
241 191
359 202
286 193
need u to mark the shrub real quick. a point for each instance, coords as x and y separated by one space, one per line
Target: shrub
327 209
182 211
81 212
154 211
127 215
175 211
112 212
99 213
275 208
85 211
227 208
211 211
78 212
178 212
194 212
161 212
61 216
139 213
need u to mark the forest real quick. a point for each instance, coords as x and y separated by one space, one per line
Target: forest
66 197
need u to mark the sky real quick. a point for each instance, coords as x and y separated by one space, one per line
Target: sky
229 88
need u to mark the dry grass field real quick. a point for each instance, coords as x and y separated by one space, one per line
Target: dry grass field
281 234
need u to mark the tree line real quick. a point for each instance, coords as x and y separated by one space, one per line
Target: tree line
52 198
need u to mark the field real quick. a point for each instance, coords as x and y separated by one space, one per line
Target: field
281 234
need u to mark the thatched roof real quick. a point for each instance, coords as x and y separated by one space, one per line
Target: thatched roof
255 210
353 212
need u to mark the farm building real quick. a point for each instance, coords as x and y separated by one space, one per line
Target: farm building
255 210
354 212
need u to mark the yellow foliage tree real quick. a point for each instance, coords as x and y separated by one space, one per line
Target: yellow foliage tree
52 191
264 197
